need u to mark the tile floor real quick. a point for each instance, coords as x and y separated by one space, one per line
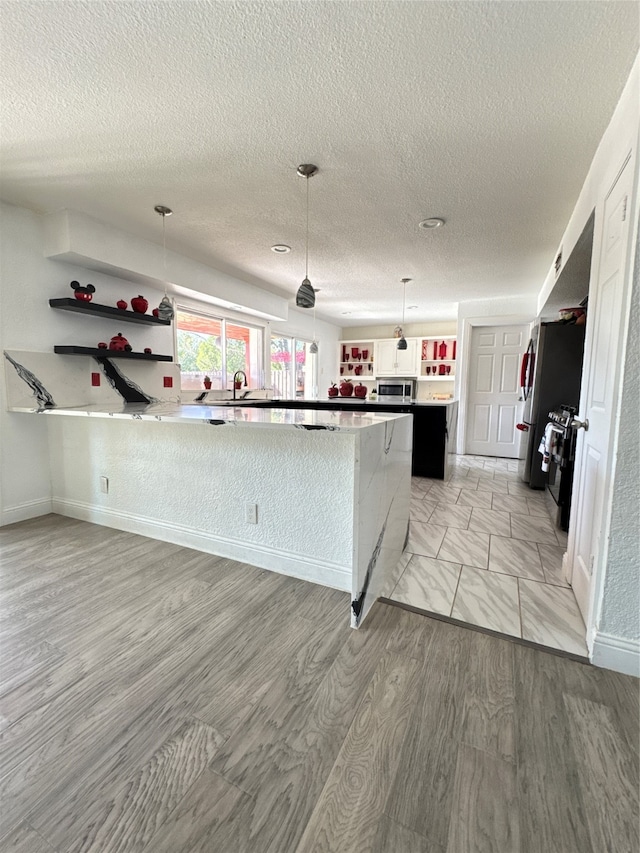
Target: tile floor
483 549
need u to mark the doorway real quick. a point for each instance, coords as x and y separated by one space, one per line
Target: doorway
494 406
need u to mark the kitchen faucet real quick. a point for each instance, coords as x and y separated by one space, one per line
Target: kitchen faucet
235 375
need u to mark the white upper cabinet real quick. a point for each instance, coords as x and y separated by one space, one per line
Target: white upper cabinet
391 361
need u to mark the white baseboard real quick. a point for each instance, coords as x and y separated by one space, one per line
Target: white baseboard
22 512
616 653
283 562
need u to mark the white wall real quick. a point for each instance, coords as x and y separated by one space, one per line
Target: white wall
411 330
27 322
621 600
615 582
28 281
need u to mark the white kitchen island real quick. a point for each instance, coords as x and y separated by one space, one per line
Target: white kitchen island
330 490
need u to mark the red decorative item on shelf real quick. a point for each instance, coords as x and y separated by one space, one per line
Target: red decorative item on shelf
454 351
360 390
365 354
443 350
155 312
139 304
344 353
358 369
147 350
333 390
435 350
355 353
206 382
442 370
84 294
346 388
119 343
102 345
121 304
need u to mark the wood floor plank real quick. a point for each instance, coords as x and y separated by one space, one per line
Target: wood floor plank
421 795
484 812
412 635
24 839
294 766
489 697
56 770
18 668
401 737
619 693
608 776
391 837
552 815
305 653
213 816
347 813
126 820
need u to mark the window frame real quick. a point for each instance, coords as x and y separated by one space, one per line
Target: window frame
224 319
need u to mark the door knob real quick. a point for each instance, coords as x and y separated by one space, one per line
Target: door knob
576 424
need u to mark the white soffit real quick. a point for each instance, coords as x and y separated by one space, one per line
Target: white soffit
77 239
487 114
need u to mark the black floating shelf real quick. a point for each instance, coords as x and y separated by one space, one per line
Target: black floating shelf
79 307
97 352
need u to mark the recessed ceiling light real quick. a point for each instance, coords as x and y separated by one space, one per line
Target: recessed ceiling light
280 249
435 222
345 312
411 307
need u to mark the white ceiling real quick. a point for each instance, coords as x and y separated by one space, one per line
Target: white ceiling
484 113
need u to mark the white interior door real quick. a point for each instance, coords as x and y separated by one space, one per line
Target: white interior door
600 395
493 403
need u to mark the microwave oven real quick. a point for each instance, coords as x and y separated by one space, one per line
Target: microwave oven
396 388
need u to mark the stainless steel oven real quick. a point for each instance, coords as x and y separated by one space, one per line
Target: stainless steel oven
561 462
397 389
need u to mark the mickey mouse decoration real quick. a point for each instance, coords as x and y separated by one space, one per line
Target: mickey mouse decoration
85 294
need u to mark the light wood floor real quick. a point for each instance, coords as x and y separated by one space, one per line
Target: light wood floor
161 700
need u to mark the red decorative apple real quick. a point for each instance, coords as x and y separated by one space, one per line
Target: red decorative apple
155 312
360 390
119 343
121 304
147 350
102 345
139 304
346 388
333 391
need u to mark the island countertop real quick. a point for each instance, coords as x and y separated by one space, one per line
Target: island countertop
235 415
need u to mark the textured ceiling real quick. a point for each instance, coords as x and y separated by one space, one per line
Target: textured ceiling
484 113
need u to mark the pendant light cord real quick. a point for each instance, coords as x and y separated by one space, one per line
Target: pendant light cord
404 299
306 257
164 253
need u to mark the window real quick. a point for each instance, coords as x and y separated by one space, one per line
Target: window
293 368
217 348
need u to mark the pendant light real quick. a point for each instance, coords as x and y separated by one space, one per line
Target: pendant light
402 343
306 296
165 308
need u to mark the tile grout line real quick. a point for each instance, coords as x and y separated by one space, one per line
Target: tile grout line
520 611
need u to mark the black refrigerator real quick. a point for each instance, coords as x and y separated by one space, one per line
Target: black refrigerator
559 350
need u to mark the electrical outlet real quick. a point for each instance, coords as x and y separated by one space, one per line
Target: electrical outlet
251 513
104 485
